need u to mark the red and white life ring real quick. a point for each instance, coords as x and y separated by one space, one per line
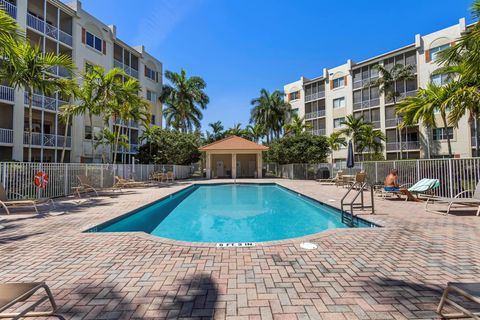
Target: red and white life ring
41 179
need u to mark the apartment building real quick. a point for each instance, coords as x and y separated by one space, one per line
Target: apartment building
68 29
326 100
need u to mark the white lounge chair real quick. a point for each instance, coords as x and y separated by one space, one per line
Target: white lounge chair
423 186
84 185
474 201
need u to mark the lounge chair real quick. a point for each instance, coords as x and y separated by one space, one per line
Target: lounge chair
169 176
469 291
474 201
128 183
15 292
423 186
333 180
84 185
5 203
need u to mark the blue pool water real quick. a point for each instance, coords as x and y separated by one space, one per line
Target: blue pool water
230 213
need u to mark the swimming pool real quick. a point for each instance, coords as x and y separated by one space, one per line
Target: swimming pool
231 213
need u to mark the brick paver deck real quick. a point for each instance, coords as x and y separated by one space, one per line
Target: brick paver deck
394 272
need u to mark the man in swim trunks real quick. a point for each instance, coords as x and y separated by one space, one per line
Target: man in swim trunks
391 184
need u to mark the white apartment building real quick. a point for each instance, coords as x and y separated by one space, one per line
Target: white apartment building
68 29
325 101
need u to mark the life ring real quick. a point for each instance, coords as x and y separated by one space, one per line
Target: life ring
41 179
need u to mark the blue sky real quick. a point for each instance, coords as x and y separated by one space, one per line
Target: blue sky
241 46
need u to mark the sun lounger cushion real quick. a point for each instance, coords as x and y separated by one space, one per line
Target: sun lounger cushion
391 189
424 185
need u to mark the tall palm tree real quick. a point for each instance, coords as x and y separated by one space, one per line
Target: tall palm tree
335 141
150 136
371 141
256 132
217 130
236 130
424 105
386 84
184 99
72 91
296 125
10 33
29 68
354 127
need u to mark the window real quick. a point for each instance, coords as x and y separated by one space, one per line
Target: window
94 41
152 74
294 95
339 103
339 82
88 132
436 50
338 122
152 96
441 133
440 79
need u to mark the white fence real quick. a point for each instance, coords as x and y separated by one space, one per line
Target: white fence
455 175
18 177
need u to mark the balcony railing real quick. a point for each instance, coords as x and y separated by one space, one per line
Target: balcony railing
363 83
315 96
46 140
60 71
315 114
318 132
376 124
46 28
6 135
43 102
366 104
408 145
402 95
129 70
393 122
11 9
7 93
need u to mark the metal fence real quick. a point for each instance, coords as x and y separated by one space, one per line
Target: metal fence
18 177
455 175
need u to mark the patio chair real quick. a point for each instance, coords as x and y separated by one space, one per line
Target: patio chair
423 186
5 203
469 291
15 292
474 201
169 176
84 185
333 180
157 176
128 183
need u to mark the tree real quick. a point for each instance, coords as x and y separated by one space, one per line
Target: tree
354 127
29 68
10 34
184 99
217 132
301 148
335 141
105 138
256 132
386 84
71 90
424 105
371 141
270 111
150 135
296 125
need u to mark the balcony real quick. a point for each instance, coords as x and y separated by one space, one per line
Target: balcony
6 136
129 70
47 140
315 114
132 148
362 83
318 132
376 124
7 93
397 146
60 71
43 102
393 122
402 95
315 96
49 30
366 104
11 9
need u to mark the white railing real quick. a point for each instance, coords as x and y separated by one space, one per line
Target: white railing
318 132
129 70
6 135
7 93
376 124
315 96
65 37
48 29
43 102
366 104
409 145
35 23
18 177
392 122
455 175
46 140
315 114
402 95
11 9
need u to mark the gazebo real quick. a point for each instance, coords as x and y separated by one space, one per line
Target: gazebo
234 157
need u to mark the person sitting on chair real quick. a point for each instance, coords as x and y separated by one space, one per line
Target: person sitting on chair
391 185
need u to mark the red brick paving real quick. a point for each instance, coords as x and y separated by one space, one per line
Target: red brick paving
394 272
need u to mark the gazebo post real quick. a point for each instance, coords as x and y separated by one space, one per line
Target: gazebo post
234 165
208 164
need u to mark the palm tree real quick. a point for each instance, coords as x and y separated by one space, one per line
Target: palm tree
371 140
10 33
184 99
424 105
30 68
354 127
296 125
236 130
386 84
335 141
270 111
150 135
256 132
72 91
104 139
217 131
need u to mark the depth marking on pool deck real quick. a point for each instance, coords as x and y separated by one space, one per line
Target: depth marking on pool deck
235 244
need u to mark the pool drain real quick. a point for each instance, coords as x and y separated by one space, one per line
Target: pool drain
308 245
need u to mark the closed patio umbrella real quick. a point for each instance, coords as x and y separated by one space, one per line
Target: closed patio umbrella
350 158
